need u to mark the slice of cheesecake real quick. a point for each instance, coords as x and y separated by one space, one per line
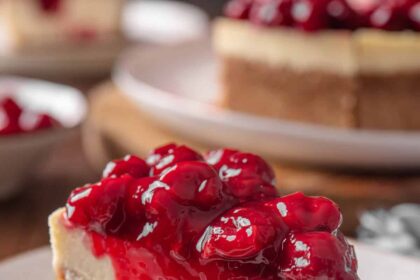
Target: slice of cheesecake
322 62
33 24
73 258
181 215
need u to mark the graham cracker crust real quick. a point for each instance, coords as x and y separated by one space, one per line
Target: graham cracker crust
365 102
389 102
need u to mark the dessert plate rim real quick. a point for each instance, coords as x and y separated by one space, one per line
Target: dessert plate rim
137 75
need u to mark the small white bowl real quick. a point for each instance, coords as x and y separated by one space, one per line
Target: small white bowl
20 153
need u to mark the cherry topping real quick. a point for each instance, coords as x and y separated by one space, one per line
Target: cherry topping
217 158
304 213
310 15
9 117
99 207
194 183
45 121
50 6
135 204
30 121
15 120
132 165
238 9
413 10
315 15
246 175
317 255
389 16
272 13
167 156
342 15
214 219
11 108
241 233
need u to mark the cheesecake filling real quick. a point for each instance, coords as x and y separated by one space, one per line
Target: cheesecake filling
343 52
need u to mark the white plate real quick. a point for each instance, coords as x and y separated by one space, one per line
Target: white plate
373 265
176 86
19 153
147 21
164 22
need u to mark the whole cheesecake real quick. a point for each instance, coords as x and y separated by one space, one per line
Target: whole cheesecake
182 215
33 24
341 63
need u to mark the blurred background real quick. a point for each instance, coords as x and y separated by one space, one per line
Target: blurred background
23 216
84 119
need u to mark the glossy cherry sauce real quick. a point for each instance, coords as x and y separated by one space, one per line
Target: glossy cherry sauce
50 6
181 215
16 120
314 15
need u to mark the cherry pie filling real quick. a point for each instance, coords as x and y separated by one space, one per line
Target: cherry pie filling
182 215
314 15
50 6
16 120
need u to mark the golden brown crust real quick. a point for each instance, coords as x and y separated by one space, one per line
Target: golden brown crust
389 102
312 97
371 102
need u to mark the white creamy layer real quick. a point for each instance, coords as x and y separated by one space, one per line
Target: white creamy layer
24 23
343 52
71 251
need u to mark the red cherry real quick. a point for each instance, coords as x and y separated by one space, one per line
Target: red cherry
310 15
170 221
157 199
413 11
135 204
390 15
45 121
167 156
31 122
248 177
99 207
11 108
8 126
302 213
238 9
194 183
272 13
218 158
342 15
50 6
316 255
241 233
157 154
9 116
132 165
77 204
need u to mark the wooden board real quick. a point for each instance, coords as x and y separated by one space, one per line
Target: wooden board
116 127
